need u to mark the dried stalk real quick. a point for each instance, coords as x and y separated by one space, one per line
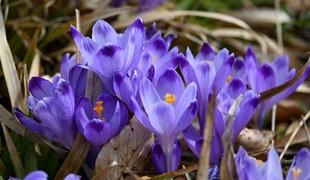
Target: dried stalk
226 172
303 121
204 162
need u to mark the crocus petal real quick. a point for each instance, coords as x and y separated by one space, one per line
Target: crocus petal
187 117
65 98
280 67
77 80
301 162
103 33
220 58
36 175
235 88
40 88
116 121
123 87
265 78
162 118
134 36
188 96
272 167
32 102
188 72
72 177
205 75
109 60
31 124
158 158
246 166
148 95
140 114
251 67
191 136
206 51
238 68
224 69
86 46
65 66
176 156
169 82
247 108
97 132
83 114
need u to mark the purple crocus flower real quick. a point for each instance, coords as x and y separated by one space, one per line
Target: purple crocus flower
300 167
247 167
52 105
209 71
41 175
267 76
154 60
170 109
108 52
101 122
224 101
74 74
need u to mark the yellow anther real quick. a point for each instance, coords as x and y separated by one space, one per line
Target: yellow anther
99 108
170 98
229 78
154 57
296 172
211 62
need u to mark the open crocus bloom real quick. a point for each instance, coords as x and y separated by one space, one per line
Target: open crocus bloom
209 71
300 167
108 52
52 104
267 76
101 121
248 169
170 109
224 102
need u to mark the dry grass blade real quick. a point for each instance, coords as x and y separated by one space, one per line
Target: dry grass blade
175 173
75 158
8 66
304 119
168 15
17 163
35 65
204 162
276 90
262 16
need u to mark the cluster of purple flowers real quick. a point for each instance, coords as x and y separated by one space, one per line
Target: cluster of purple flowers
141 75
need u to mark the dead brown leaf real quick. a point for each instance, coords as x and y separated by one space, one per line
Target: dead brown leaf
254 141
122 151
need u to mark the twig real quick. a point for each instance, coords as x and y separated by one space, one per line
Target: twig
304 119
273 121
204 162
175 173
307 132
278 25
78 26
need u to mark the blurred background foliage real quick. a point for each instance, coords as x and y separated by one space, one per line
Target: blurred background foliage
38 34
